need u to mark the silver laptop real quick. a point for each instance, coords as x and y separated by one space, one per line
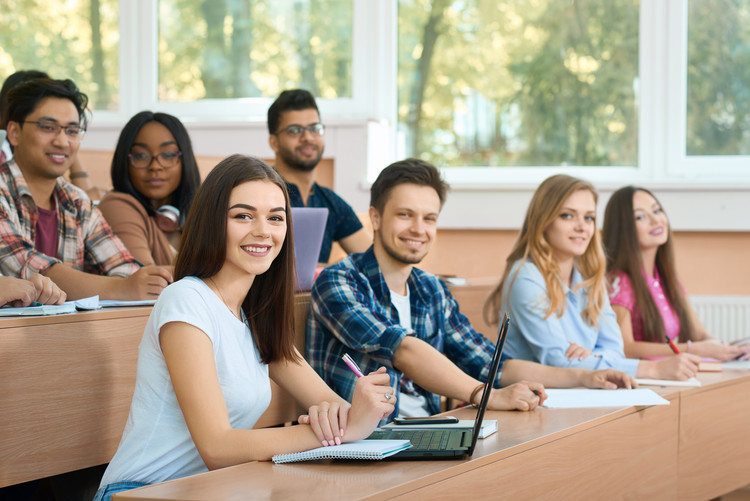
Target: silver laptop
434 443
309 225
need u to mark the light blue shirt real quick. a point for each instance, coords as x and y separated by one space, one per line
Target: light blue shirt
532 337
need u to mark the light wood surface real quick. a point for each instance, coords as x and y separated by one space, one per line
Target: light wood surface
66 382
628 453
65 387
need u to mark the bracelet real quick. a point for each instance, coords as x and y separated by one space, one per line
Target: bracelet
474 394
688 345
76 175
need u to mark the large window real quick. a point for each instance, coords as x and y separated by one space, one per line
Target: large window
519 82
241 49
718 78
73 39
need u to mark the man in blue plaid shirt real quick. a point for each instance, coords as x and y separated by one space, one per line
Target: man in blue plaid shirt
382 310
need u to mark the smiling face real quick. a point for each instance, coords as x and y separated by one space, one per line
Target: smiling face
256 228
406 229
571 231
651 223
304 151
155 182
42 154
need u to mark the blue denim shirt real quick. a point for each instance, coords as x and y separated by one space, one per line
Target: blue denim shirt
351 312
532 337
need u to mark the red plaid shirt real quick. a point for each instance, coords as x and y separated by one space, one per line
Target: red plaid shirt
85 240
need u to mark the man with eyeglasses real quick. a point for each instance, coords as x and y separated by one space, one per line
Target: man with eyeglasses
297 138
49 226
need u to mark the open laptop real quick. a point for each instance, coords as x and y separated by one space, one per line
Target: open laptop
309 224
434 443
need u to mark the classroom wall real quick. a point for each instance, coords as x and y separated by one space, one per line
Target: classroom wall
707 262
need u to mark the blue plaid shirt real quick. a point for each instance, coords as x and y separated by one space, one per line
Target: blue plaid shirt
351 312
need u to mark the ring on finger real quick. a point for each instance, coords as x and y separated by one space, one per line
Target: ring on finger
388 396
322 410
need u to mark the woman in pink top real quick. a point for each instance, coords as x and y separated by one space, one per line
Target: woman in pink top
645 292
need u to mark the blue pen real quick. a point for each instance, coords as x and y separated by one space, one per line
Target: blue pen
352 365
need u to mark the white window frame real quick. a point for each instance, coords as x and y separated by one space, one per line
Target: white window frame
700 193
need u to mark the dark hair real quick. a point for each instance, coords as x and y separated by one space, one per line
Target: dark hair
10 82
624 255
24 98
269 305
182 197
295 99
410 170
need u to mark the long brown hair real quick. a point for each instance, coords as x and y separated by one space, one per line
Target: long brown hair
624 255
532 244
269 305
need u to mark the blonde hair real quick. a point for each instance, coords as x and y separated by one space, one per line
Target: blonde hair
532 244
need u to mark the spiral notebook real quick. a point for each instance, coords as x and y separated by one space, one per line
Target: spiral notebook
360 449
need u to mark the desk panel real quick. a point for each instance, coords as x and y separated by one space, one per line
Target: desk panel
714 440
65 388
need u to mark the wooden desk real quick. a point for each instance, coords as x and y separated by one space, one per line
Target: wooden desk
634 453
66 383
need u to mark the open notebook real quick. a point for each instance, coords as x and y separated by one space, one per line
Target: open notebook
309 224
360 449
448 443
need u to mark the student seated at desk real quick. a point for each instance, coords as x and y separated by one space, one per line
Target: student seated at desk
382 310
155 177
18 292
49 226
645 293
217 334
554 289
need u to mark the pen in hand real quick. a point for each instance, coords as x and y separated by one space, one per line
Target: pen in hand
352 365
671 344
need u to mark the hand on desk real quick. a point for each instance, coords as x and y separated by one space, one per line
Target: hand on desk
19 292
147 283
720 351
608 379
680 367
522 396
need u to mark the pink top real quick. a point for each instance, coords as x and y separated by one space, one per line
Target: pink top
621 293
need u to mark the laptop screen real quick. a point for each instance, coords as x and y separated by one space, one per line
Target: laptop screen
494 365
309 225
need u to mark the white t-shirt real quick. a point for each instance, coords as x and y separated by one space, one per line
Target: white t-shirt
408 405
156 444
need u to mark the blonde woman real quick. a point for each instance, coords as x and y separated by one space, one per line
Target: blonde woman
555 291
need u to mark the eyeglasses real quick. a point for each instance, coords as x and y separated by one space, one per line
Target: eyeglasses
166 159
296 130
73 132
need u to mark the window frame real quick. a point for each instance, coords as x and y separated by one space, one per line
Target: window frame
701 193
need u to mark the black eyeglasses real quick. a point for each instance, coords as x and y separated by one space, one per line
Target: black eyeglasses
72 132
296 130
166 159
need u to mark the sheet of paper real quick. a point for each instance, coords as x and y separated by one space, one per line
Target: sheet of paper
736 364
575 398
643 381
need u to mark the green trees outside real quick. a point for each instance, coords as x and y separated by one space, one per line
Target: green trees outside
480 82
718 80
77 40
519 82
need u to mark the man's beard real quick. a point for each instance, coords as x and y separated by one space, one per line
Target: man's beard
400 258
293 162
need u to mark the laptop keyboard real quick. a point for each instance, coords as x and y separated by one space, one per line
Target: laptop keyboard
432 440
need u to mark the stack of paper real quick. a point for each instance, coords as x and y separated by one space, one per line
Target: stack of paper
575 398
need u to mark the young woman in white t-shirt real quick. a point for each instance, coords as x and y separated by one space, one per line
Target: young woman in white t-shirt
219 333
